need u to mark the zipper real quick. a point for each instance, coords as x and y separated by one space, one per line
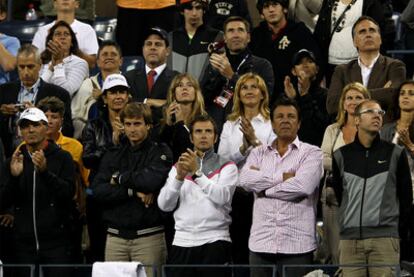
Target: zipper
363 194
34 211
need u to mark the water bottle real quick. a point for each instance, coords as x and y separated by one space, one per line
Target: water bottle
31 13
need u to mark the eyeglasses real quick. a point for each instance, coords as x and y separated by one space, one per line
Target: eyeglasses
373 111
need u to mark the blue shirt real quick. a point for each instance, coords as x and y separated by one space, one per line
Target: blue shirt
11 44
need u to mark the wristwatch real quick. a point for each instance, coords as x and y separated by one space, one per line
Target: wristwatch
197 174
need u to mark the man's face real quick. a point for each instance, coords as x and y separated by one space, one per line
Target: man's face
66 5
273 13
367 36
33 133
109 59
55 121
28 69
285 122
307 67
116 98
236 36
155 51
370 118
194 16
203 136
136 130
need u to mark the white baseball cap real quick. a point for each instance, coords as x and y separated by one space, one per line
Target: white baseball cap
32 114
114 80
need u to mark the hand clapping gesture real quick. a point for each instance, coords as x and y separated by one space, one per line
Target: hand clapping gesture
187 164
16 164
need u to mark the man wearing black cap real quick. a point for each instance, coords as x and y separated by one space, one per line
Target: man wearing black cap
303 87
190 41
278 39
38 187
150 84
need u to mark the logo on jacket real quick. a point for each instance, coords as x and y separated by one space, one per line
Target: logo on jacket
284 43
382 161
223 8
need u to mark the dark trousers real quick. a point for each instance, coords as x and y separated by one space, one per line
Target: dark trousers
218 253
132 25
96 230
279 260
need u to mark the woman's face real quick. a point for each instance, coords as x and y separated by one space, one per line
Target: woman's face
185 91
63 37
406 98
116 99
352 99
250 93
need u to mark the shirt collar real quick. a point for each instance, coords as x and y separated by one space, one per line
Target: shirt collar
295 143
34 87
371 65
158 69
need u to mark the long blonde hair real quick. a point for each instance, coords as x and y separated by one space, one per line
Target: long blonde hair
238 108
342 116
198 104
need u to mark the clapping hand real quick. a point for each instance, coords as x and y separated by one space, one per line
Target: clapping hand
39 160
16 164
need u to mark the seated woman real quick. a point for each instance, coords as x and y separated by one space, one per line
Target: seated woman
184 103
248 126
61 66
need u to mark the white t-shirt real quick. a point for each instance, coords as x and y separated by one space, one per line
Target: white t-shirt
85 34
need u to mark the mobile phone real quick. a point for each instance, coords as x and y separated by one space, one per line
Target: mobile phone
173 118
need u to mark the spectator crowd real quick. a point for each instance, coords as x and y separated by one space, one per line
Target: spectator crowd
226 145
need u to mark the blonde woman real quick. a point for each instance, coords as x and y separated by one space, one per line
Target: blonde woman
246 127
184 102
336 135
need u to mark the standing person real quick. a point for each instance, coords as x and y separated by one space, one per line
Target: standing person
150 83
278 38
189 43
381 75
27 92
8 48
284 177
333 30
247 127
337 135
407 18
145 14
184 102
85 11
99 135
128 180
401 132
304 88
199 190
61 66
85 34
226 67
39 187
372 183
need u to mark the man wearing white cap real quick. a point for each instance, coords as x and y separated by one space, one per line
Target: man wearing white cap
38 188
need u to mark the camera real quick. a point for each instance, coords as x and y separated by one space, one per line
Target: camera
217 47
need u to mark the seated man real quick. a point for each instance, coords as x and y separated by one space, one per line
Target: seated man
199 190
128 179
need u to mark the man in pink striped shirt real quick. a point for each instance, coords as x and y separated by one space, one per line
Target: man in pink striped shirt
284 177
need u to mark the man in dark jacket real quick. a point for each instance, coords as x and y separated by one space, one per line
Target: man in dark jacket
277 39
372 183
39 187
128 179
15 96
228 64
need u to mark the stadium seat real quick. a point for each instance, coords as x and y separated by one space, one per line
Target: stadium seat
105 28
23 30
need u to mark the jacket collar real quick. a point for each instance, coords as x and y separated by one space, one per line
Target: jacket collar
376 141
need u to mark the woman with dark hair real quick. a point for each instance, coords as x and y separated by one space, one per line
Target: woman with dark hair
184 102
401 132
61 66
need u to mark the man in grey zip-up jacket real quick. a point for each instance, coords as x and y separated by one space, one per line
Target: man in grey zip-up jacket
200 188
372 182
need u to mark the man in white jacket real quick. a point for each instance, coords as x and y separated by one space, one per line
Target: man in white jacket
200 188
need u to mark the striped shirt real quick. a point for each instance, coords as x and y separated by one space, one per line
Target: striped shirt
283 220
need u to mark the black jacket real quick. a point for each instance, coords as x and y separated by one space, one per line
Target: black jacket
9 95
143 169
54 191
220 10
280 52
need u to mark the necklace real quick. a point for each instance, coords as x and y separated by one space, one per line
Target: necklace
339 25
